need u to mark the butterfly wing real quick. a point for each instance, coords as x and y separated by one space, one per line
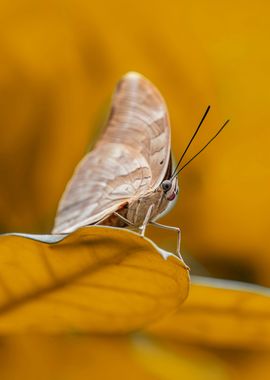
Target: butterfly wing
129 160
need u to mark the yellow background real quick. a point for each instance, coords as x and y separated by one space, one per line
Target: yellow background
59 63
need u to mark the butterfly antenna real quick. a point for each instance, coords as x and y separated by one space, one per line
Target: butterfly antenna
192 138
209 142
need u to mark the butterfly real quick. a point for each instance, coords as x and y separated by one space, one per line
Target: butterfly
128 178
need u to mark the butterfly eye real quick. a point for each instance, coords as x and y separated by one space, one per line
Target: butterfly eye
166 185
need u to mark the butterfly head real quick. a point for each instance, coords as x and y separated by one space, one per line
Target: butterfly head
170 188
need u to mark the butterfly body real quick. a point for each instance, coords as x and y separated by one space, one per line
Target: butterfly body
136 211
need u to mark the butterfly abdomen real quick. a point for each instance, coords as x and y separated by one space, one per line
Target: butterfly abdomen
113 220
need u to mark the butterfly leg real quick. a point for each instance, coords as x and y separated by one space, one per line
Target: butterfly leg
177 229
124 219
142 228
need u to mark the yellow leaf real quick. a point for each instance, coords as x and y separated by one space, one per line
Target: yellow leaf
79 357
70 358
221 313
168 362
97 279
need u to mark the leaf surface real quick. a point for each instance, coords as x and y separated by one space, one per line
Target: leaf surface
98 279
220 313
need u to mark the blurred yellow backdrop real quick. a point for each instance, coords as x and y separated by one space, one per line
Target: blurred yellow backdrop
59 63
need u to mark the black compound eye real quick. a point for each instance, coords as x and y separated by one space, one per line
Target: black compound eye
166 185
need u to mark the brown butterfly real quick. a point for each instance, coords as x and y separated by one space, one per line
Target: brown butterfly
127 179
